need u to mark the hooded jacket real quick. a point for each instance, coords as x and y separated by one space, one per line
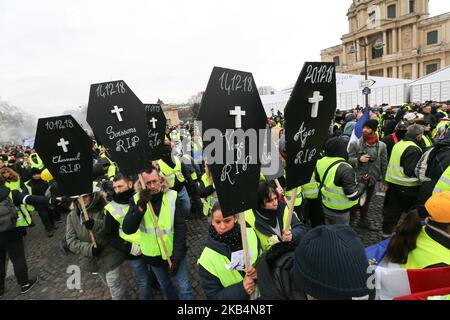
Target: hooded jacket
79 241
438 162
377 168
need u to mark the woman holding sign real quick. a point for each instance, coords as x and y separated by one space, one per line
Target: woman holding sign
269 219
221 264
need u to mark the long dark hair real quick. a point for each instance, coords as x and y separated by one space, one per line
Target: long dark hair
264 191
405 238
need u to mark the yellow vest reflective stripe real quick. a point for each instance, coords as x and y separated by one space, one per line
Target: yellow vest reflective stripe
209 202
310 190
395 173
15 185
443 183
427 252
216 263
266 241
30 192
170 173
197 145
150 243
112 170
443 112
298 200
428 142
333 197
441 124
23 216
118 212
38 164
446 298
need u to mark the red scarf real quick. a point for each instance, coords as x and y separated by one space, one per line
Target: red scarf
370 138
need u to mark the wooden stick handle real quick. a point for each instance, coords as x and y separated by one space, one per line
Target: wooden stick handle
155 222
244 241
291 210
86 218
284 197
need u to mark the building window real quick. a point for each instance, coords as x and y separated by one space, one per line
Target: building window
391 11
377 53
337 61
432 37
411 6
432 68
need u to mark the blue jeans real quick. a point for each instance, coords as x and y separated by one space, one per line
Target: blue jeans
185 202
144 275
332 217
182 279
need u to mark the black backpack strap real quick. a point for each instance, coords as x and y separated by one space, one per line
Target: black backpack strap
321 181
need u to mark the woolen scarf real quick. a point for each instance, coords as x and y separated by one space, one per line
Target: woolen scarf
231 238
370 138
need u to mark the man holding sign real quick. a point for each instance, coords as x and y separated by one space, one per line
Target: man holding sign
308 115
66 150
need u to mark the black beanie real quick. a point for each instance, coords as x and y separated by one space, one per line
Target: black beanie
34 171
372 124
330 263
336 147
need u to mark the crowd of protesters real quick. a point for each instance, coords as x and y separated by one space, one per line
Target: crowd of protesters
403 152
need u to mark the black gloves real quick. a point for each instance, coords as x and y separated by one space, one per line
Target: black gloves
144 197
174 268
96 251
89 224
54 201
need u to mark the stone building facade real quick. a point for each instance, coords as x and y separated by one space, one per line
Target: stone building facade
400 38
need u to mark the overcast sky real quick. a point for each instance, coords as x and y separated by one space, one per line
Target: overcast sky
52 50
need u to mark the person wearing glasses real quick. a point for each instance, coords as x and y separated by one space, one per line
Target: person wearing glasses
269 219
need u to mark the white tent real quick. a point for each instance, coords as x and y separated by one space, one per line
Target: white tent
435 86
349 94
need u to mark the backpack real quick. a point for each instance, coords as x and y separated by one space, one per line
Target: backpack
422 167
8 215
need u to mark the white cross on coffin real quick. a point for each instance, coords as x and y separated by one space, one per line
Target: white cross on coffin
63 144
238 113
153 121
117 111
315 100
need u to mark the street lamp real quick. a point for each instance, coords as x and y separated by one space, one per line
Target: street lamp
378 45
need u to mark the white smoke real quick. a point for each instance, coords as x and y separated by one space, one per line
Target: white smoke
15 124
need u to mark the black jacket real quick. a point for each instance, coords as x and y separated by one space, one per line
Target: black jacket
263 226
133 220
275 274
438 162
212 287
18 199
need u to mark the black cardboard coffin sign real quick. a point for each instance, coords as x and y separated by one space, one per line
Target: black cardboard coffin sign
156 124
66 151
231 116
308 115
271 166
118 119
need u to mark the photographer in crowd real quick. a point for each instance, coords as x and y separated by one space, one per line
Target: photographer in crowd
369 157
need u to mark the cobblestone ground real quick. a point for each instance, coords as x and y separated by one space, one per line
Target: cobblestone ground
47 260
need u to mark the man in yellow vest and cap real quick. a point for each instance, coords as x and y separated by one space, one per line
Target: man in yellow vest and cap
164 202
115 212
403 185
339 188
178 176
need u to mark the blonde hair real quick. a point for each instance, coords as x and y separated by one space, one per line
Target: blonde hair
10 171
